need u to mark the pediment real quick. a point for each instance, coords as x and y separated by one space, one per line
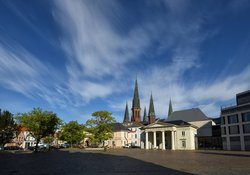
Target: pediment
158 125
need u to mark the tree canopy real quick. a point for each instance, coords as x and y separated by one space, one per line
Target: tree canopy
8 127
39 123
72 132
100 125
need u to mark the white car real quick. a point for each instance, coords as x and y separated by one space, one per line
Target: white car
127 146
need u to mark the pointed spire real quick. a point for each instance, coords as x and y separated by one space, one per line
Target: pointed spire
151 111
126 115
145 115
136 99
170 108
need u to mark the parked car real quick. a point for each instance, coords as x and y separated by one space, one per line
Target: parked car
65 145
12 148
32 148
127 146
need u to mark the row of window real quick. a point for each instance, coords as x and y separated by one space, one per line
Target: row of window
235 129
236 139
234 118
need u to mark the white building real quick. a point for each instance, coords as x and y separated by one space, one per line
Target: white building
207 138
135 132
175 135
25 139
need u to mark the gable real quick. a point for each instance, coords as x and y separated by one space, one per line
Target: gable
158 125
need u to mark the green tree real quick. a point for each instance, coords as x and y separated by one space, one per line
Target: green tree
39 123
8 127
100 125
72 132
49 139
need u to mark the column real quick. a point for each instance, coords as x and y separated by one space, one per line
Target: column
163 140
172 140
146 140
242 140
154 139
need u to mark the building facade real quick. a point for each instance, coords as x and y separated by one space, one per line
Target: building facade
135 134
235 124
120 136
175 135
207 136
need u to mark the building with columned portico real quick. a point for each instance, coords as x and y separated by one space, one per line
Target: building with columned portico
152 133
175 135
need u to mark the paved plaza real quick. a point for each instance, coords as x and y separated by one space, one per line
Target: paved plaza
125 161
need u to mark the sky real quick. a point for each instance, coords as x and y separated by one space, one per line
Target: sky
76 57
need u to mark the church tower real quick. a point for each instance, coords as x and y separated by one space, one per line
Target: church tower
136 110
126 115
145 115
170 109
151 112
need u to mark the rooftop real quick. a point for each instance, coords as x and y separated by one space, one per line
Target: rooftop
188 115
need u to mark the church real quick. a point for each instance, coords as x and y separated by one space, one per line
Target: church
173 133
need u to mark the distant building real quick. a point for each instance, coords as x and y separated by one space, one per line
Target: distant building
135 134
121 136
235 124
175 135
207 129
152 133
24 139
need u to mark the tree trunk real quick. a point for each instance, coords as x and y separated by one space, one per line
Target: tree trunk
38 140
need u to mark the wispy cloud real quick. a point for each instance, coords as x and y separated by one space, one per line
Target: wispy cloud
91 41
98 55
18 72
104 56
22 72
168 80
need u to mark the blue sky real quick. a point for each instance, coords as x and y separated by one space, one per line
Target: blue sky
77 57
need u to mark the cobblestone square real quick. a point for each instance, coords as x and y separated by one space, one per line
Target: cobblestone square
125 161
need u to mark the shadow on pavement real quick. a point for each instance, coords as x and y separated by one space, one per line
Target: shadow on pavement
226 154
64 162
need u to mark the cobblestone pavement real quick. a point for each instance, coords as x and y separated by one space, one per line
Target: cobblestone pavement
125 161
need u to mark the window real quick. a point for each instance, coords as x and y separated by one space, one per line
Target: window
135 136
234 139
234 129
183 144
183 133
246 117
135 142
222 120
246 128
232 119
223 130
